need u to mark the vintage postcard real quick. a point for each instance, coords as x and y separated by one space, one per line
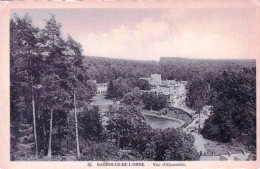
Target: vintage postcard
129 84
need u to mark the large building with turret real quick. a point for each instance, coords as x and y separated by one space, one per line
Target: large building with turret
170 88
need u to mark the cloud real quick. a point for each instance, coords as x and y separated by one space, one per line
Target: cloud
150 34
151 39
134 42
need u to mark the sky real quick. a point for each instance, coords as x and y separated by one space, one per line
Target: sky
148 34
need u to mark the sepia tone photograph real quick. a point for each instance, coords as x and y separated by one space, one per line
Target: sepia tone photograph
137 84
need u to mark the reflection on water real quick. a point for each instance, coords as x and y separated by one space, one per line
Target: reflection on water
161 123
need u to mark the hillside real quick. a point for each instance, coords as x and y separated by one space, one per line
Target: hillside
104 69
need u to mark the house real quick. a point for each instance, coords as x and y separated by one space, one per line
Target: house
102 88
154 80
169 88
243 156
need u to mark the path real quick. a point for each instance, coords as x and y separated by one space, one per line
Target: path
200 142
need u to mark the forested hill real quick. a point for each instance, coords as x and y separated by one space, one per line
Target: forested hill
213 63
104 69
191 69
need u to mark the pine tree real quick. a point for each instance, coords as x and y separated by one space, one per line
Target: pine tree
54 82
24 63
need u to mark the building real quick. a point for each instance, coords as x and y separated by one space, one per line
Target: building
169 88
101 88
169 82
156 79
243 156
170 91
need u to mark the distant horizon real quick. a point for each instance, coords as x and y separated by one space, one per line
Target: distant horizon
174 57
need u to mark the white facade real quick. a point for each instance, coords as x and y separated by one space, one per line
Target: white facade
169 82
156 79
170 88
102 88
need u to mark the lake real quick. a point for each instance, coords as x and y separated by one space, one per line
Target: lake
157 122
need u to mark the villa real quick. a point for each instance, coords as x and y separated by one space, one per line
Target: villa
170 88
154 80
102 88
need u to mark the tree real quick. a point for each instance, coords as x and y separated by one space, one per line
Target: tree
133 97
24 63
110 90
234 108
154 101
128 98
100 151
55 79
56 93
126 125
150 149
175 145
117 88
90 124
74 52
197 96
143 84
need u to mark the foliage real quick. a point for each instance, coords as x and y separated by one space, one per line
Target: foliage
105 69
125 126
46 70
234 112
176 145
100 151
133 97
170 144
117 89
154 101
90 124
143 84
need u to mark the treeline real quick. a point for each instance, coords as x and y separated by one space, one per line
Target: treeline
106 69
233 97
192 69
